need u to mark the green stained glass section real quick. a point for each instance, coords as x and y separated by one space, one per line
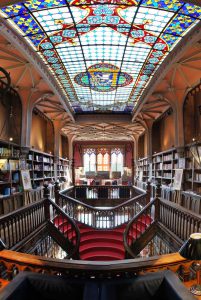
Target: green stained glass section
103 53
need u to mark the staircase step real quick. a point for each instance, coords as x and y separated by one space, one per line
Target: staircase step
106 254
101 240
101 245
101 235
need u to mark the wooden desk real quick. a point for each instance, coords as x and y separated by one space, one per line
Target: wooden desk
189 284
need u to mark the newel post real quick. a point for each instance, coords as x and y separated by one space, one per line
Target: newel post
46 201
56 192
148 192
157 202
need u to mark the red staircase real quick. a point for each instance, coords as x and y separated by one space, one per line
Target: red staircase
102 244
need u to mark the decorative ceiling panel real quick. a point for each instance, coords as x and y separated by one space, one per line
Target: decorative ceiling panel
103 53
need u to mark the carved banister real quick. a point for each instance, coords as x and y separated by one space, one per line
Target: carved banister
137 227
179 220
15 226
82 269
111 217
68 229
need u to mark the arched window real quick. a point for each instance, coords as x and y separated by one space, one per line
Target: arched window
103 160
90 160
116 160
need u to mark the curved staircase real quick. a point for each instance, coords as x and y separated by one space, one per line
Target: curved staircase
102 244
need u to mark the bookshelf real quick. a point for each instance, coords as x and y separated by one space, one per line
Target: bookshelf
41 167
192 171
163 167
161 170
63 171
10 180
142 174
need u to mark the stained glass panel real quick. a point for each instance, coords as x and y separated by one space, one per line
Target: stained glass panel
103 53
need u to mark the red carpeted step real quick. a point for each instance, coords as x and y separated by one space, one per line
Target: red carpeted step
102 244
108 254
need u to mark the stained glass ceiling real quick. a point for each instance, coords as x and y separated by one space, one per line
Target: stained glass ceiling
103 53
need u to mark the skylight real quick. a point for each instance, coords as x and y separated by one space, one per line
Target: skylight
103 53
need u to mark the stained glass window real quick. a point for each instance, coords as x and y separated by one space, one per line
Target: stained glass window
103 53
117 162
103 162
89 159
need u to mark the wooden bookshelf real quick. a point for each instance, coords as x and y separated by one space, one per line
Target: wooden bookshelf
142 173
161 170
192 172
9 169
163 167
62 171
41 167
11 196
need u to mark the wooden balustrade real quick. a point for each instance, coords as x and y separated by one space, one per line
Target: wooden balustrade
140 224
14 262
101 217
18 225
191 201
103 192
15 226
67 227
179 220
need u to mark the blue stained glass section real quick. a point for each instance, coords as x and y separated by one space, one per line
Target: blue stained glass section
171 5
44 4
191 10
27 24
36 39
15 9
179 24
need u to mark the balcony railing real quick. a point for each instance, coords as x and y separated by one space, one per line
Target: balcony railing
101 217
14 262
142 223
19 225
179 220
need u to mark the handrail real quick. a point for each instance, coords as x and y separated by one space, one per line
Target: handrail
137 226
15 226
101 217
68 228
102 208
106 192
13 261
179 220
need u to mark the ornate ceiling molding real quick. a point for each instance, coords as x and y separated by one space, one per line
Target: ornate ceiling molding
191 38
19 42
